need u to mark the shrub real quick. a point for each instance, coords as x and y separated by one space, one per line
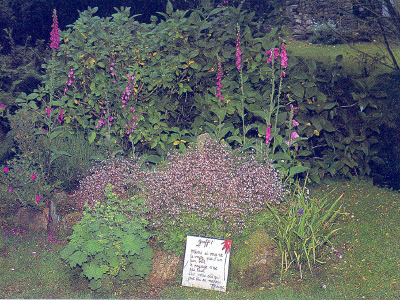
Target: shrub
111 171
111 241
25 183
208 191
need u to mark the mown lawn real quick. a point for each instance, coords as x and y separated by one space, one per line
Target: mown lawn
353 60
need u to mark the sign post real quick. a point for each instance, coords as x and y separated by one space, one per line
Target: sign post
206 263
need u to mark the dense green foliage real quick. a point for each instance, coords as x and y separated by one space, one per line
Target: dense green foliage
151 87
111 241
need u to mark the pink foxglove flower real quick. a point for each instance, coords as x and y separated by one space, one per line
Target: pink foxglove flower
295 123
219 82
2 105
54 35
37 199
272 56
284 58
33 176
48 110
6 169
238 51
268 135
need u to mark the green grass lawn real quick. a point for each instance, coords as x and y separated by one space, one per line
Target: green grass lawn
353 61
30 266
369 242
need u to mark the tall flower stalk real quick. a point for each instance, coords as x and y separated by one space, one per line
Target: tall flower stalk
239 67
54 45
274 53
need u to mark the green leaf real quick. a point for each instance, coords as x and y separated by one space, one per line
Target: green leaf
298 90
77 259
32 96
93 246
132 244
94 284
92 137
33 105
297 169
93 271
169 8
329 105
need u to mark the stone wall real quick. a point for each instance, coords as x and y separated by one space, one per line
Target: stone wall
307 13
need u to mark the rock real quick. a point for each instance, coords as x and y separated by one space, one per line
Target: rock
203 139
256 261
63 213
165 268
31 219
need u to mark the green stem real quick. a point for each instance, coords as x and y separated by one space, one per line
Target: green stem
241 88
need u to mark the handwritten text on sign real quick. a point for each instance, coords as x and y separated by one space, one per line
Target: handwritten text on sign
206 263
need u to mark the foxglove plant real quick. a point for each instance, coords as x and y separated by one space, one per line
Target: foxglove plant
239 67
287 166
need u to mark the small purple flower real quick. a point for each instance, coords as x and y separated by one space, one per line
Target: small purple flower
300 212
2 105
33 176
6 169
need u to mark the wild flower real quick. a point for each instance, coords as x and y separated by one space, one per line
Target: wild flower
275 53
219 82
213 184
284 58
48 111
70 80
238 50
116 172
2 105
6 169
293 135
33 176
61 116
300 212
54 34
268 137
37 198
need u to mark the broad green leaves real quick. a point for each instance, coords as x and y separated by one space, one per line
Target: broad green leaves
111 237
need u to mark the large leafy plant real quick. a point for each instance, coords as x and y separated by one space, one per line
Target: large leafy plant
110 242
152 87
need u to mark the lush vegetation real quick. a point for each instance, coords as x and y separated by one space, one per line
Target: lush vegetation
201 122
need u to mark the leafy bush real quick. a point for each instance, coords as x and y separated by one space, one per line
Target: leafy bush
111 241
24 180
170 94
208 191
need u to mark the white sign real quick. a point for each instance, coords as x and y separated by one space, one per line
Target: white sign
206 263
